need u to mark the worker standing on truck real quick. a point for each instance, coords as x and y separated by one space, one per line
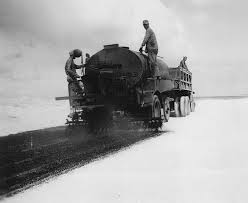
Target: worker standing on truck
183 63
70 67
151 44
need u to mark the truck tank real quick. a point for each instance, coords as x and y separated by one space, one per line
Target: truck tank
124 63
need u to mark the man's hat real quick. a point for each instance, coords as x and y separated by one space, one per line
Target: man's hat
76 53
145 22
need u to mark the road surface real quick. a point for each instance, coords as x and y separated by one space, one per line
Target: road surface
201 158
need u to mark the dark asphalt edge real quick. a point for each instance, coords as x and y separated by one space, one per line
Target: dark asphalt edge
21 133
47 177
34 149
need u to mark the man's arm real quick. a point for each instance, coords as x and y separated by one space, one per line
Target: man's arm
185 66
147 36
68 68
181 64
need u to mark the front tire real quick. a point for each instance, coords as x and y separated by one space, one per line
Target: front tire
166 110
156 107
156 121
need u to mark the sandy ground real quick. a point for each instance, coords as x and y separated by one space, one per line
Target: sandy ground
30 114
203 158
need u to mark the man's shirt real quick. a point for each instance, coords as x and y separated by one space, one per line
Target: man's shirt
70 68
183 64
150 40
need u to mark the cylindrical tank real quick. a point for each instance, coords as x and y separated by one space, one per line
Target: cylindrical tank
163 69
124 63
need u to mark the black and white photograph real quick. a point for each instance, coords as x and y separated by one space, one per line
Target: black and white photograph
131 101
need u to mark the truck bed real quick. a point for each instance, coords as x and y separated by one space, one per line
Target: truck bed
182 78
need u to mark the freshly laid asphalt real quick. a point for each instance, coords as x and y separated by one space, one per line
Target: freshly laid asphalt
28 158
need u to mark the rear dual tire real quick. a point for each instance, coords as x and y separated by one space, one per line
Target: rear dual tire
192 106
176 112
184 106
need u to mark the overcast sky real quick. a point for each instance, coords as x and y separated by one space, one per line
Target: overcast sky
36 36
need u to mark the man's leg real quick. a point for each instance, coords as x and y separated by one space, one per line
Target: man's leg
153 61
77 86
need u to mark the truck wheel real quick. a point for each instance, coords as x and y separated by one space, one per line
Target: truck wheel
182 106
192 106
156 107
166 109
177 107
187 106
